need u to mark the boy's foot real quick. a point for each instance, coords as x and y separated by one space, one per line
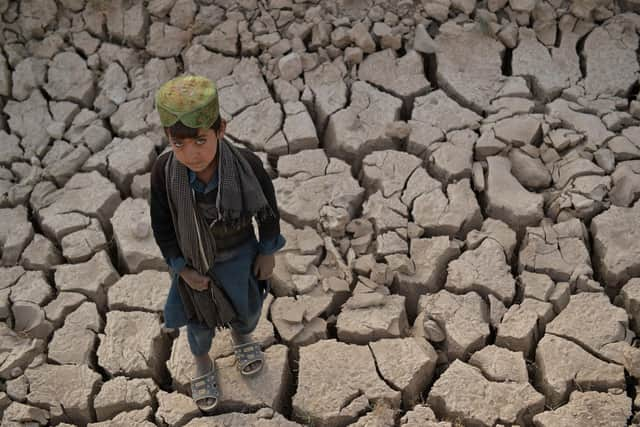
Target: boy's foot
204 391
204 387
250 358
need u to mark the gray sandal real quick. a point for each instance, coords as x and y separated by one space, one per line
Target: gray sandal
205 387
248 354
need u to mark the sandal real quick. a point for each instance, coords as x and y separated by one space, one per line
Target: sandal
205 387
247 355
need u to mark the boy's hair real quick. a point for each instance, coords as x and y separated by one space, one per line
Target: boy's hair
178 130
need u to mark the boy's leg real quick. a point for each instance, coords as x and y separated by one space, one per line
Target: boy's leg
247 320
242 327
240 338
200 338
241 335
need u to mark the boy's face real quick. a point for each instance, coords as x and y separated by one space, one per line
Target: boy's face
197 153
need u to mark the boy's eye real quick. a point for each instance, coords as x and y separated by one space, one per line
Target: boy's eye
201 141
177 144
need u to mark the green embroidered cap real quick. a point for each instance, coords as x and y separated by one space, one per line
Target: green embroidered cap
193 100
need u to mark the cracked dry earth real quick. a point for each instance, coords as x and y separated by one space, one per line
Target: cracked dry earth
458 184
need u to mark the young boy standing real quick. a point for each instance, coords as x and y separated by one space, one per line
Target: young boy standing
204 194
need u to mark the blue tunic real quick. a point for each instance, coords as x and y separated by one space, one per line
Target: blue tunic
234 270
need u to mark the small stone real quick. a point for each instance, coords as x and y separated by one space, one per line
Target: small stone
560 296
146 291
558 250
481 52
537 286
589 125
614 245
438 110
574 321
531 172
137 250
509 35
266 416
285 91
89 194
484 270
244 127
500 364
297 320
389 170
165 40
29 74
81 245
298 128
18 414
57 310
431 257
133 344
340 367
267 389
353 55
354 132
290 66
496 230
569 168
327 90
32 286
137 392
488 145
15 234
464 318
66 390
20 352
69 79
422 416
459 390
564 367
361 325
80 327
41 254
30 321
519 131
508 200
407 364
390 243
91 278
17 388
588 408
523 324
403 77
630 294
601 44
361 37
175 409
301 197
423 42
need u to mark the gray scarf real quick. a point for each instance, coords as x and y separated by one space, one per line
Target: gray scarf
239 197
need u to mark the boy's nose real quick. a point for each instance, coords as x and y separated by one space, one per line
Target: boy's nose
191 151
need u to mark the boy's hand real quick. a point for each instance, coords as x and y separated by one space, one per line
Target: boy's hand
263 266
194 279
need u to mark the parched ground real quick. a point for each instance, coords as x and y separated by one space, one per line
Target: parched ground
458 183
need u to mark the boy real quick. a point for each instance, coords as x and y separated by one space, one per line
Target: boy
204 193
